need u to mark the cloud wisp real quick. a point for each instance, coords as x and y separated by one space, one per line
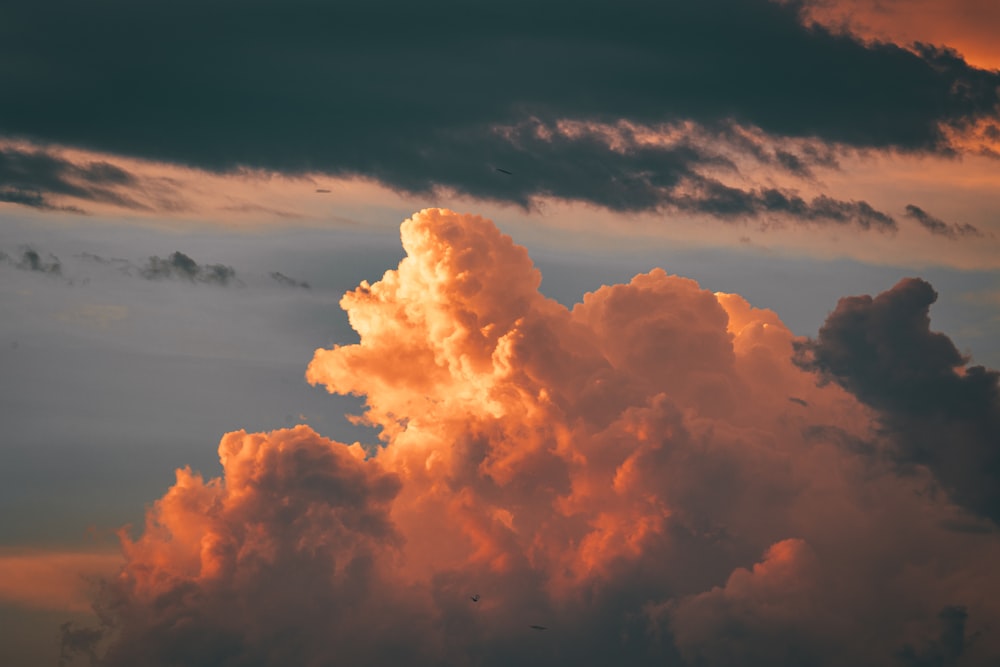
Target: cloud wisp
31 260
32 176
940 227
629 474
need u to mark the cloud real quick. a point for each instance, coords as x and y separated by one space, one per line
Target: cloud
176 266
297 77
179 265
32 176
941 412
938 226
966 25
628 473
31 260
282 279
53 580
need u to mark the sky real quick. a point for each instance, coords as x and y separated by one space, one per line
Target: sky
591 333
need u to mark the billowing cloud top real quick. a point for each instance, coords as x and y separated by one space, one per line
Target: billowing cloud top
648 476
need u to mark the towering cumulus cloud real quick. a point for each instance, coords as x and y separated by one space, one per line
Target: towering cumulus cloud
646 478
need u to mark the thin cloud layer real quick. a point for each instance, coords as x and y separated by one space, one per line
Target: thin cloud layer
364 90
629 474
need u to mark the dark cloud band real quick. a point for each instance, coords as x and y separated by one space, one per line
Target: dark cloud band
411 96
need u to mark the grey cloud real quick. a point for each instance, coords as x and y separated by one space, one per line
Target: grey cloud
410 95
31 260
282 279
939 227
179 265
30 177
939 411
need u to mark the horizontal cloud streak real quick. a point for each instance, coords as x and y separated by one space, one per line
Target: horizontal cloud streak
938 226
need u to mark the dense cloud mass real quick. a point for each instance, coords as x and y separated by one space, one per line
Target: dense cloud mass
421 97
648 475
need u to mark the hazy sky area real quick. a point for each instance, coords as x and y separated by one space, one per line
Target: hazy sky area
538 333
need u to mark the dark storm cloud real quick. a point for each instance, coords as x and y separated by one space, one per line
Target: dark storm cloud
410 94
30 177
938 226
940 412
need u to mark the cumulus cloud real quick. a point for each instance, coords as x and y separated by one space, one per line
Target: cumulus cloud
629 473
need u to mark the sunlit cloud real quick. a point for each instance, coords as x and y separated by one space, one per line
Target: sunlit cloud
648 476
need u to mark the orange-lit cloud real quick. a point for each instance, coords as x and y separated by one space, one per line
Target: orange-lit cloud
54 580
648 475
968 26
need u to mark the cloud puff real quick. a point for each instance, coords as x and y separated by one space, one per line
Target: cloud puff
629 473
179 265
31 260
941 412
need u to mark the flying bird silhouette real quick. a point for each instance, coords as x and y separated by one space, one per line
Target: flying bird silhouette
504 171
538 627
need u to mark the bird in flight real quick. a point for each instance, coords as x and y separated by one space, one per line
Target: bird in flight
475 598
504 171
538 627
